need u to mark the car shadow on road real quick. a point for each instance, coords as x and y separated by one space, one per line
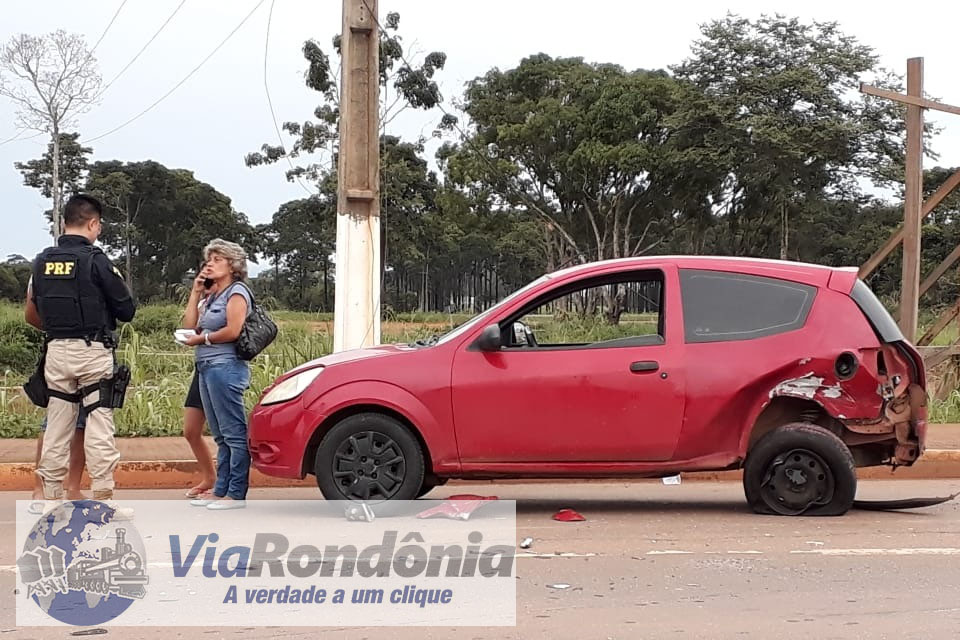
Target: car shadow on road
552 505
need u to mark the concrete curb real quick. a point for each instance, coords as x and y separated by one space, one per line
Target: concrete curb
182 474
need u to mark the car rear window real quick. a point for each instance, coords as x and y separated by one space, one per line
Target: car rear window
878 316
720 306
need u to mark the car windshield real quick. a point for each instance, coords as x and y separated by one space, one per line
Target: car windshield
477 319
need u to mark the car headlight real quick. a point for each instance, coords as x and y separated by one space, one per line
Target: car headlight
292 387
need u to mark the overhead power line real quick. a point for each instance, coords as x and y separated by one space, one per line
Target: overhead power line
179 84
144 47
18 138
109 24
273 114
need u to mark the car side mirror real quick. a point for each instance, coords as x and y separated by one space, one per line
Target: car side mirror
490 339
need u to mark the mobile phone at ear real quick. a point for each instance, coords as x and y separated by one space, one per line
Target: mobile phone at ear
208 283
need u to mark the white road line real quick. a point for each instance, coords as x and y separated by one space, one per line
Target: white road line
565 554
11 568
907 551
928 551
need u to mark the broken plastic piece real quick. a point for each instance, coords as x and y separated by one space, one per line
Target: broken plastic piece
671 479
560 585
568 515
457 507
359 513
526 543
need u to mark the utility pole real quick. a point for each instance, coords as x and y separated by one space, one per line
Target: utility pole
356 317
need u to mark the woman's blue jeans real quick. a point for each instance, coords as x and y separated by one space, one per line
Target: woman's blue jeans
222 383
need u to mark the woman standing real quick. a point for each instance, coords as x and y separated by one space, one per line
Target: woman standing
193 420
223 377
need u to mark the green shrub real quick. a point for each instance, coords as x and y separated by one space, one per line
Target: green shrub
162 319
19 345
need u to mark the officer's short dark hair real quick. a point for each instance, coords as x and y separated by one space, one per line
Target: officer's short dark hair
80 209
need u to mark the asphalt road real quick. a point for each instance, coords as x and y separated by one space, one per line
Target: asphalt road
688 561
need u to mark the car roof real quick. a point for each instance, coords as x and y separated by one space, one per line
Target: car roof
814 274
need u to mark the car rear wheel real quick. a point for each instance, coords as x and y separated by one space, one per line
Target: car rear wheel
800 469
369 457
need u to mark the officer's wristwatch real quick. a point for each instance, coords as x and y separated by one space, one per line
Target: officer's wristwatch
206 338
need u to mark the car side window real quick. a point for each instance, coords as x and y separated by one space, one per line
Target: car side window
612 311
720 306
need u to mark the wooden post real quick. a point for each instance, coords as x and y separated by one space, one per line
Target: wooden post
913 200
357 296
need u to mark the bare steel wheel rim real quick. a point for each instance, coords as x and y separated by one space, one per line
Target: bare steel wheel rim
369 465
795 481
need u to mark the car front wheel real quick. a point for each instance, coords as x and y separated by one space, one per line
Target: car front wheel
369 457
800 469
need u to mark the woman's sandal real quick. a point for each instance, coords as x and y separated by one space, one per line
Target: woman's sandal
197 492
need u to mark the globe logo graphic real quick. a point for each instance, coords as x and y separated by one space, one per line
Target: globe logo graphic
82 567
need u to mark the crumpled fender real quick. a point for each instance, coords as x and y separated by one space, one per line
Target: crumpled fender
814 380
888 404
831 395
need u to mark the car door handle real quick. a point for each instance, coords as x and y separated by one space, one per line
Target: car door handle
644 366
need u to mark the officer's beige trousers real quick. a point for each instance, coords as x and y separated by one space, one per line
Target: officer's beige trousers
71 365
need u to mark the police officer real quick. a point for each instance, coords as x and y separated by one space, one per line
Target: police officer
76 296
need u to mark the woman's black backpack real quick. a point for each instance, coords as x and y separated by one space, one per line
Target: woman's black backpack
259 330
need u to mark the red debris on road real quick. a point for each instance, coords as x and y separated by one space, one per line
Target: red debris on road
568 515
457 507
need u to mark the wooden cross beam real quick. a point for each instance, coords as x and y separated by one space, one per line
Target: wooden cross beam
914 209
897 237
908 99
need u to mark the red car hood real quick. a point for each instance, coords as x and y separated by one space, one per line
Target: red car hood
352 355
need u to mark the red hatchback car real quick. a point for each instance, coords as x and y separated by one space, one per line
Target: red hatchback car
635 367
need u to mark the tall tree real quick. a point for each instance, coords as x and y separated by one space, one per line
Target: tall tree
304 238
178 215
779 124
577 145
72 172
51 79
116 190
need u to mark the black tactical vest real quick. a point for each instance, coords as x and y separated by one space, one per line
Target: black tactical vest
69 302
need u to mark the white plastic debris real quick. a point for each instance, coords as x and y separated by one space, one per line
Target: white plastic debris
359 513
526 543
560 585
671 479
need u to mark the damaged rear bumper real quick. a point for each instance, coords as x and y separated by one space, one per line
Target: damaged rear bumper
903 424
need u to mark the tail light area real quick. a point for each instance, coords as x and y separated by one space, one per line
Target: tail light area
901 426
901 384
